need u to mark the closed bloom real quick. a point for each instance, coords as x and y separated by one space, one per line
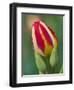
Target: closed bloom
44 39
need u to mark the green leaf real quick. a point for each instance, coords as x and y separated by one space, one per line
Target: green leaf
61 70
40 63
54 57
43 73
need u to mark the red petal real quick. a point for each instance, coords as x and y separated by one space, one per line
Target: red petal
39 39
53 33
47 36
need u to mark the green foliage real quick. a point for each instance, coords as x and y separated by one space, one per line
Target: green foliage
61 70
54 57
40 63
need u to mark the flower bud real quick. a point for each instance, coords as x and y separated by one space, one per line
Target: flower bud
44 39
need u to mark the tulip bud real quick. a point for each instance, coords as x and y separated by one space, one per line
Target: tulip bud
44 39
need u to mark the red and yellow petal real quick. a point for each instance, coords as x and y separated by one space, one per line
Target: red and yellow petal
44 39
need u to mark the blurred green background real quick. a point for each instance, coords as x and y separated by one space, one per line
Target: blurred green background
28 59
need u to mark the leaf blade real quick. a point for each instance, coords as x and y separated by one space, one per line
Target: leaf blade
40 63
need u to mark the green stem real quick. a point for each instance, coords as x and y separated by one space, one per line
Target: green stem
48 66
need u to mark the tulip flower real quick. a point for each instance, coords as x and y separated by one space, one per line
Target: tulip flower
44 39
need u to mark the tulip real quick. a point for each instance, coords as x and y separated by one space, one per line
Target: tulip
44 39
